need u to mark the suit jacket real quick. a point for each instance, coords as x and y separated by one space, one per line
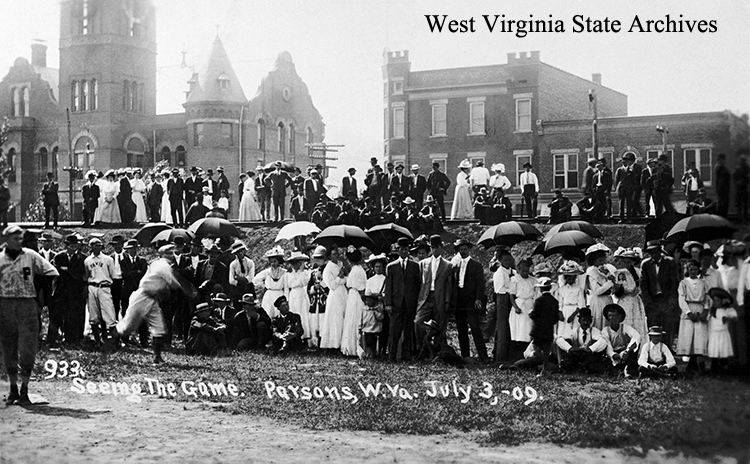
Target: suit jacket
626 180
723 179
438 182
223 183
71 282
474 286
375 183
133 270
588 178
279 182
606 178
220 274
544 316
399 186
261 186
175 187
402 289
90 193
300 212
646 179
416 190
667 280
49 191
443 284
349 185
244 327
193 187
215 192
290 323
313 190
155 194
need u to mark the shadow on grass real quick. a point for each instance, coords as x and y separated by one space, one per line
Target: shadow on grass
47 410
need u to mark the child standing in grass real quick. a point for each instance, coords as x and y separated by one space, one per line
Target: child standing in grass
371 325
520 323
719 339
544 317
571 297
693 300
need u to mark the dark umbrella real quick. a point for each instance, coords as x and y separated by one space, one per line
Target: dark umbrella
288 167
583 226
344 236
702 227
214 227
170 235
563 242
658 227
386 234
508 234
145 234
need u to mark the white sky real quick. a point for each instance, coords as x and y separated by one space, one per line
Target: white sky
337 47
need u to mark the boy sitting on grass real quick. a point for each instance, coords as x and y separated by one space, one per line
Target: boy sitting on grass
656 360
287 328
206 335
622 340
583 348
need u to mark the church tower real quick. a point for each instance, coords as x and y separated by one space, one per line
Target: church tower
107 81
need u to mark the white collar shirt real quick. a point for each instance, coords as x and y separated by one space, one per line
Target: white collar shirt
462 271
435 264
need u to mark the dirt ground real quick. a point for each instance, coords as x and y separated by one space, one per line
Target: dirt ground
100 428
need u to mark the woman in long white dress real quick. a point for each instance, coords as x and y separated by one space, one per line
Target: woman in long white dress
600 282
462 207
295 285
523 303
249 209
272 280
332 324
629 294
100 182
139 189
110 209
166 209
355 305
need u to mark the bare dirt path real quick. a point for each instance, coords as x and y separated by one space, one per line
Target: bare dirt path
99 428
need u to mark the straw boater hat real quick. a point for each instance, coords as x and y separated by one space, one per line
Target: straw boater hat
275 252
415 167
597 247
249 299
629 253
655 330
543 282
693 244
221 297
498 167
432 323
132 243
201 307
409 201
653 245
320 252
723 294
429 200
571 268
544 268
465 164
298 256
238 246
462 241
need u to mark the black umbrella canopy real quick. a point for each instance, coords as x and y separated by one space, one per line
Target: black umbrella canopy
145 234
508 234
214 227
386 234
569 241
343 236
583 226
702 228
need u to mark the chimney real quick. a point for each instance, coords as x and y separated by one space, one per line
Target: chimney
535 55
39 54
597 78
511 58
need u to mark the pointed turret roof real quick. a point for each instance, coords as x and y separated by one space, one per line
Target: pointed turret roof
217 81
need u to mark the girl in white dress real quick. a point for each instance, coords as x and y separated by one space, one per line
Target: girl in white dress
332 324
376 286
272 280
356 281
692 296
139 189
462 207
110 209
628 293
570 296
249 209
296 290
600 282
166 208
719 339
519 320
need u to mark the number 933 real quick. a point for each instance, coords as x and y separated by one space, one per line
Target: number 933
62 369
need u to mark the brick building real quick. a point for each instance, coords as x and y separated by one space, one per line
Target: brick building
106 86
529 111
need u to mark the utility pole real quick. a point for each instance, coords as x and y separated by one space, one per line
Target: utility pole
72 170
323 148
594 135
663 131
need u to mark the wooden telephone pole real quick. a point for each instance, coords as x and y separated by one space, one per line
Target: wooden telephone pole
319 151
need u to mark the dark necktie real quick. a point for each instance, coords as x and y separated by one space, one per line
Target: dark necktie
242 267
584 337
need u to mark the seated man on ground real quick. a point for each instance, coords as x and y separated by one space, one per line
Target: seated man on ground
207 335
560 208
622 340
252 326
502 208
287 328
590 208
583 348
435 347
656 359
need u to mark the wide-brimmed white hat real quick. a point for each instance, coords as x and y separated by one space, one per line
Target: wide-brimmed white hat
498 167
465 164
275 252
597 247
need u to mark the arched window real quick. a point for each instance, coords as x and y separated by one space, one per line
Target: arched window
43 164
11 160
136 152
93 94
261 134
74 96
166 155
292 138
84 95
282 137
125 95
26 101
181 155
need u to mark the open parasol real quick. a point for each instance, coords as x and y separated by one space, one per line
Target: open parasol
508 234
170 235
145 234
344 236
567 241
583 226
702 227
297 229
386 234
214 227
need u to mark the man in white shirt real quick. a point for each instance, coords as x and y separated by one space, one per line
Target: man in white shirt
622 340
468 297
656 359
100 269
504 295
583 347
241 271
479 177
529 185
499 181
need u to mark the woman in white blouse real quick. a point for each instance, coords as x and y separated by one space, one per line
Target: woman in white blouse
139 189
110 209
296 289
249 209
462 207
272 280
241 272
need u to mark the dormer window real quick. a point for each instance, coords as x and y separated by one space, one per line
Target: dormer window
223 82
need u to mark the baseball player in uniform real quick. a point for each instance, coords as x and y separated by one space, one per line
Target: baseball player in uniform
100 270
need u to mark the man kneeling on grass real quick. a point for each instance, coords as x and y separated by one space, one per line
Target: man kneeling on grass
252 326
583 348
287 328
207 335
622 340
656 360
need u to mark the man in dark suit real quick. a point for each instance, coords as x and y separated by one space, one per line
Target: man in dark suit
175 187
417 186
588 175
723 180
299 207
376 183
222 181
313 188
402 282
663 184
647 184
252 326
437 184
626 178
468 299
213 186
349 184
280 180
133 269
659 281
51 200
435 290
193 186
210 272
399 185
287 328
603 186
69 296
90 194
196 210
154 196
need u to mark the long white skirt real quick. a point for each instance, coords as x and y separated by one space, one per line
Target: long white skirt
299 303
268 300
249 208
140 207
111 212
520 324
462 208
352 319
332 323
